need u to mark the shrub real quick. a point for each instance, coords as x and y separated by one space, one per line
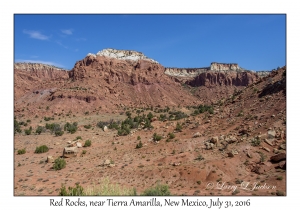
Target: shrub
78 137
59 164
262 156
17 127
21 151
71 128
53 127
83 152
41 149
255 141
72 191
39 130
128 114
101 124
156 137
158 190
29 121
48 118
171 135
162 117
87 126
178 127
139 145
27 131
59 133
150 115
199 157
87 143
138 138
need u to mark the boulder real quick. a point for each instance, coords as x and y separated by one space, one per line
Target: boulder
232 139
271 134
282 164
234 152
50 159
279 157
266 149
249 154
214 140
106 162
282 146
196 135
230 154
269 142
105 128
70 152
209 145
262 168
78 144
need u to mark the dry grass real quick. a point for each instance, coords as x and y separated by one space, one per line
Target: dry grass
105 187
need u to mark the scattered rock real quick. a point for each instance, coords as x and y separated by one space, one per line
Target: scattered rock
78 144
265 148
282 164
234 152
196 135
105 128
106 162
282 146
209 145
70 152
269 142
271 134
230 154
277 158
214 140
50 159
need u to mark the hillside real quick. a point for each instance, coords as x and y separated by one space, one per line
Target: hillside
237 141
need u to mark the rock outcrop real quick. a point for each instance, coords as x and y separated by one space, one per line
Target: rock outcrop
122 55
42 71
230 78
184 72
213 68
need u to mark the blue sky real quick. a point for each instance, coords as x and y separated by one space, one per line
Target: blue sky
255 42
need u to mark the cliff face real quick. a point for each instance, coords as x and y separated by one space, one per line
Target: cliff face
41 71
113 70
29 76
123 55
184 72
110 79
226 74
210 79
224 66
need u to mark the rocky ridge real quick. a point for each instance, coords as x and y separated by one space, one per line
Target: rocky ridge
213 68
122 55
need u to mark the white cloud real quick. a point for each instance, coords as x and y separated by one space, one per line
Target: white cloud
67 31
39 61
36 35
59 43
